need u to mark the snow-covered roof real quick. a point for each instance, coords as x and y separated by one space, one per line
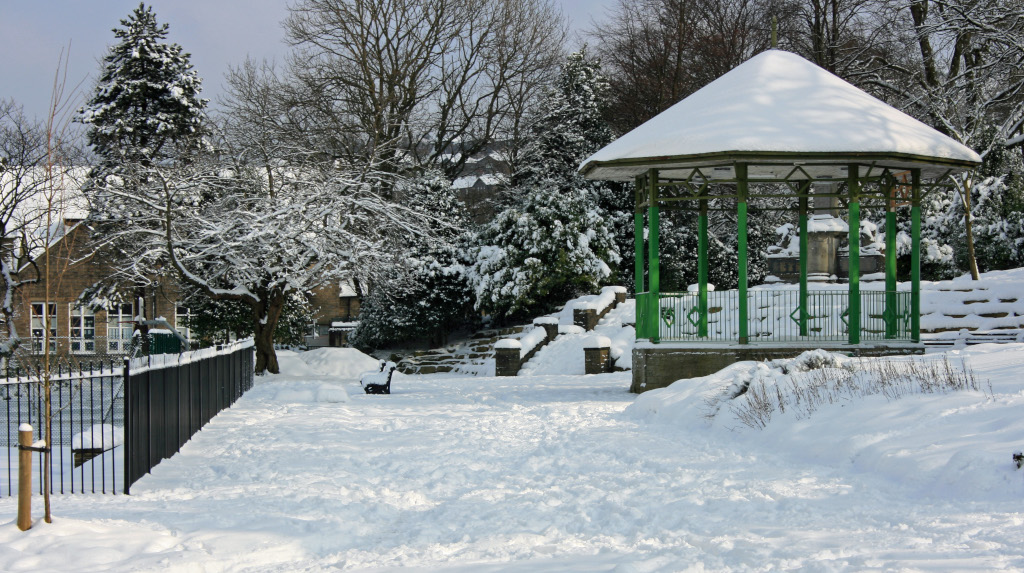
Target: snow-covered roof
346 288
778 103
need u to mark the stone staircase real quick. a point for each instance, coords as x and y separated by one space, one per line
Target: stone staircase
969 338
474 355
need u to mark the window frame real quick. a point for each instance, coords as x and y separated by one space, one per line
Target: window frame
38 325
81 339
117 328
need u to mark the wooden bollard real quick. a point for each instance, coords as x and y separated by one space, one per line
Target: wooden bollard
24 477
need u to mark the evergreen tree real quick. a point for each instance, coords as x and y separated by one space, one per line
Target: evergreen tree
556 243
213 321
145 116
146 106
571 127
429 294
554 247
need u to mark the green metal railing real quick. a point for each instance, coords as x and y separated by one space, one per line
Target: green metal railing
774 316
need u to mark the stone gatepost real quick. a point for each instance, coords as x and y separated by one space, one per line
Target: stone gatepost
507 357
597 355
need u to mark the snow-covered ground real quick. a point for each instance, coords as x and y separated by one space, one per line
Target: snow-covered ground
560 473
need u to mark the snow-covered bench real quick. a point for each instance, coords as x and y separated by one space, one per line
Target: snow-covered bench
378 382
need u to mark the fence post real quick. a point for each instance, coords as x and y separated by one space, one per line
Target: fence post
24 477
127 426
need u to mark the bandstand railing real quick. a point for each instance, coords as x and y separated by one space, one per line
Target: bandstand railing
774 315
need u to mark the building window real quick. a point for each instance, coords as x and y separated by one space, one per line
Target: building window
83 330
120 325
182 316
40 323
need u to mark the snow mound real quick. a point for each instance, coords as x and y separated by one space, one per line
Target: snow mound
340 362
99 436
936 443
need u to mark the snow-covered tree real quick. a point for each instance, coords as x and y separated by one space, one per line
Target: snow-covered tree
997 214
146 107
218 229
427 294
551 248
144 115
36 170
571 126
556 242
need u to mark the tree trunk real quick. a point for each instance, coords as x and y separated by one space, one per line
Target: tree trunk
972 262
265 317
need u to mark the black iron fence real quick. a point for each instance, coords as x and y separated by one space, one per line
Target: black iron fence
86 425
98 444
170 397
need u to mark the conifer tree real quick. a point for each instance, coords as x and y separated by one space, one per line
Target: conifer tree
428 295
555 243
146 106
145 117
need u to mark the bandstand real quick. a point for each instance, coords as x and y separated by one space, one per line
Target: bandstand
776 127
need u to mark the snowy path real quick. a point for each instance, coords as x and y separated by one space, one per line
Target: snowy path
498 474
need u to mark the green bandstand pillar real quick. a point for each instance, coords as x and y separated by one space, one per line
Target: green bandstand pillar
638 258
741 231
653 246
702 270
853 320
915 256
892 311
803 319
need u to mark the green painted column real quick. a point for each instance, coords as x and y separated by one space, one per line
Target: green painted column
741 232
892 311
702 270
638 238
639 256
853 320
806 187
653 247
915 256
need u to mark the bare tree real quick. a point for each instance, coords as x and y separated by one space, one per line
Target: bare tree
657 52
427 82
961 71
36 172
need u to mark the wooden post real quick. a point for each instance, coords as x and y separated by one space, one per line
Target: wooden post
24 477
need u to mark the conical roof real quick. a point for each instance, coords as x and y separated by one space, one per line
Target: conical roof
778 108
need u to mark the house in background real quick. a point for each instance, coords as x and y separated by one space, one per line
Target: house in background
78 331
337 310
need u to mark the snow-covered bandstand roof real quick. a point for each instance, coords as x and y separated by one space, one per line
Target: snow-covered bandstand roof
777 108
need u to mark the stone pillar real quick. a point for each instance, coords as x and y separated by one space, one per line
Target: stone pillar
585 318
620 295
549 324
507 357
597 355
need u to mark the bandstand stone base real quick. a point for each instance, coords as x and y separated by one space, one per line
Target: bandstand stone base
658 365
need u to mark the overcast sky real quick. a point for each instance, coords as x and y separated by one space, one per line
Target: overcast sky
217 33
